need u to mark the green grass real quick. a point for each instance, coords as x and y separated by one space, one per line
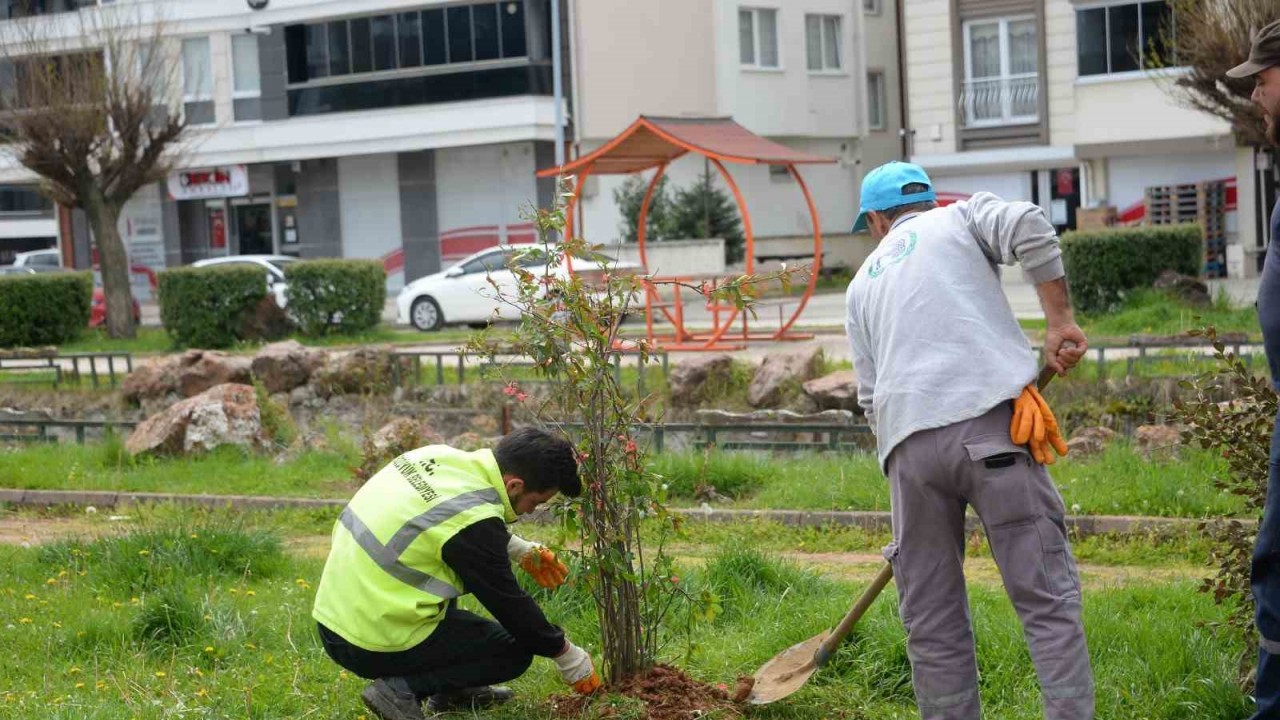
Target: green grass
1118 482
1151 312
85 639
226 471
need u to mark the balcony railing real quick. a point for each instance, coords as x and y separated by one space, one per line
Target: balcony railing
1012 100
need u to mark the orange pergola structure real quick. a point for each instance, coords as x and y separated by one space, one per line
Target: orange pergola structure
654 143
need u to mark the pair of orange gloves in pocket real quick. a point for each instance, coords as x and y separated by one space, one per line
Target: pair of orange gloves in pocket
1035 426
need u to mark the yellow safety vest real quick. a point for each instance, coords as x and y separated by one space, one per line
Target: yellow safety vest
385 585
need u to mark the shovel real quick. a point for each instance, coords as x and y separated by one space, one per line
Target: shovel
790 669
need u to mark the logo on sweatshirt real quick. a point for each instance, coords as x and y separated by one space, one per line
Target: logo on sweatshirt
895 253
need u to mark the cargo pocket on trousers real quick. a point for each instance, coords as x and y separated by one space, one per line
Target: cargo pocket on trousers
1059 566
996 451
892 553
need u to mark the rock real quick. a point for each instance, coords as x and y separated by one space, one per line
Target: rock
1188 289
1089 441
265 321
836 391
469 441
363 370
688 379
154 378
404 433
213 368
486 425
1154 440
227 414
283 366
302 395
780 369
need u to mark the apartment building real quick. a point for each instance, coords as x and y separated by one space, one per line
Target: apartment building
1063 103
410 131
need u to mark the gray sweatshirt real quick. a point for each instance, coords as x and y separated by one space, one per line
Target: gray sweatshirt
934 339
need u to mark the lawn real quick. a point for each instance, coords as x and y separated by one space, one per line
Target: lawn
1118 482
206 614
1151 312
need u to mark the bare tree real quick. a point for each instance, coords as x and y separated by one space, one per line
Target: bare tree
89 102
1210 37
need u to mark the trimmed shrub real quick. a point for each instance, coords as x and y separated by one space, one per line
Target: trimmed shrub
336 296
1103 266
206 307
45 309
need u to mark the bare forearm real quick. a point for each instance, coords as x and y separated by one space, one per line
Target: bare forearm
1055 300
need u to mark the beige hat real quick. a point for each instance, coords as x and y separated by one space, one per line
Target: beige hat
1264 53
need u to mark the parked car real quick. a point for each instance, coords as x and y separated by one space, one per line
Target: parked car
39 259
463 293
272 265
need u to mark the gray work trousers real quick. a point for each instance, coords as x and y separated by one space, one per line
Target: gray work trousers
933 475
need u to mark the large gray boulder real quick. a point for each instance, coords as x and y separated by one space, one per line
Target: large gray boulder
283 366
834 391
227 414
688 379
780 370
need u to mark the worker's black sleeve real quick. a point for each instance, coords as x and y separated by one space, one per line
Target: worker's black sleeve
478 554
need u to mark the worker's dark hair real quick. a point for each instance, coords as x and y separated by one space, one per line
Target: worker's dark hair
894 213
544 461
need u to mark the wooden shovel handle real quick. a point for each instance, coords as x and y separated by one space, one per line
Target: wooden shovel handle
855 614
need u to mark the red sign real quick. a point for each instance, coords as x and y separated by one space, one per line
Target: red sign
217 228
1066 181
217 182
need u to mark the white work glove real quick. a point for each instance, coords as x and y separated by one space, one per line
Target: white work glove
541 564
577 670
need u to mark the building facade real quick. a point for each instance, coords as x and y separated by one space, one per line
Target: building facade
410 131
1065 103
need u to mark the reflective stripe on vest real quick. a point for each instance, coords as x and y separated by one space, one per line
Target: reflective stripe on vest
387 556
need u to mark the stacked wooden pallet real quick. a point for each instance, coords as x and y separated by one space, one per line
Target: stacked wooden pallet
1202 203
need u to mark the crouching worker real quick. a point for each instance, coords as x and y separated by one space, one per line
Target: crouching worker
424 530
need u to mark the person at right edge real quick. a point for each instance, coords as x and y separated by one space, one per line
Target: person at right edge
1262 66
947 377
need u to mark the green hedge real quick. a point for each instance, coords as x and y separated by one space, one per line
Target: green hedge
1103 266
207 307
45 309
336 296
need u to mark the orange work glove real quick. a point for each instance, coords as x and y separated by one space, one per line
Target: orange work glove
577 670
1035 426
541 564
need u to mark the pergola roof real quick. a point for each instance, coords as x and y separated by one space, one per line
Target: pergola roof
654 141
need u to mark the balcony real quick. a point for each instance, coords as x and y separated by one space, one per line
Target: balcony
998 101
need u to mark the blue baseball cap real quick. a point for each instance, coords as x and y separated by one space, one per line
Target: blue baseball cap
882 189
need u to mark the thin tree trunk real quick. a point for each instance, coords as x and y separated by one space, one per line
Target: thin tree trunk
114 261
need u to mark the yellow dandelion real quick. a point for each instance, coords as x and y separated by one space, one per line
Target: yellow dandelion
144 553
29 596
160 673
100 685
62 573
57 625
25 621
198 673
117 604
250 593
51 581
233 591
201 692
194 536
75 669
208 649
79 685
250 646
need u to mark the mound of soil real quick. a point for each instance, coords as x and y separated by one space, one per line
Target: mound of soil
667 694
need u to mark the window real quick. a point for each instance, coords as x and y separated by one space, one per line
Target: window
871 7
410 35
407 40
197 81
1002 82
758 38
1123 38
876 100
384 42
486 263
822 41
24 200
246 78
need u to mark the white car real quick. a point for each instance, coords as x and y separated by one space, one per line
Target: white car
38 259
463 293
272 265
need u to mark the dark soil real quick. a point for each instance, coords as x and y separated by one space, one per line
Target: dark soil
667 694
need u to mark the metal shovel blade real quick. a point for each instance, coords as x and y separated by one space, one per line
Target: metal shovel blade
786 672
